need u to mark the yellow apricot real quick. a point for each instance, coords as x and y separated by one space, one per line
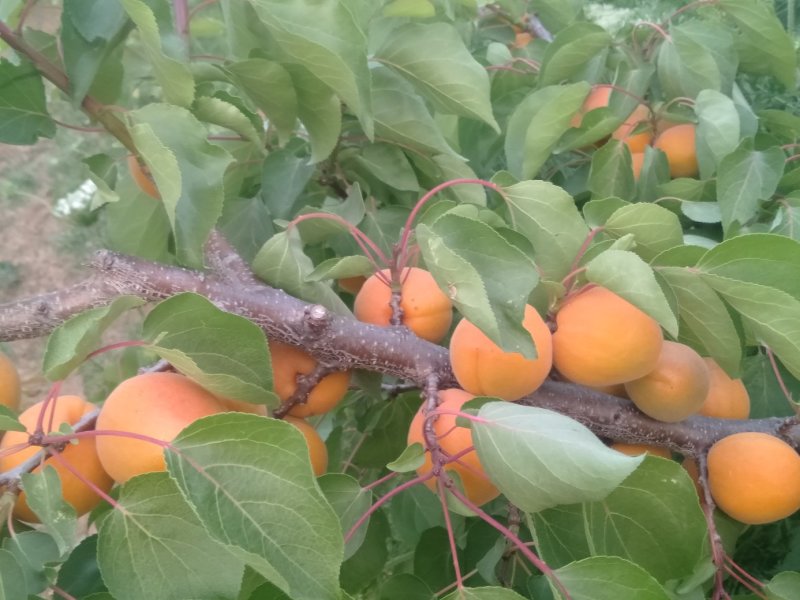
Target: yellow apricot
453 440
427 311
484 369
81 456
754 477
678 143
727 398
602 339
317 450
10 389
142 177
676 387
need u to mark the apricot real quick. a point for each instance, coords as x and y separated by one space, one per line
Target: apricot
352 284
427 311
453 440
317 450
158 405
678 143
754 477
10 389
637 162
142 177
637 449
727 398
484 369
522 39
599 97
617 389
676 387
287 363
602 339
81 456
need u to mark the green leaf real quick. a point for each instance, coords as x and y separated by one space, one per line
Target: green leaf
569 52
547 216
745 178
174 77
23 109
80 573
652 519
282 263
33 550
284 176
764 46
247 224
537 124
249 480
718 129
225 353
9 420
339 268
96 20
222 113
611 173
696 56
385 434
627 275
487 278
484 593
401 115
102 170
43 495
654 228
389 165
270 88
327 37
609 578
72 341
319 109
705 316
361 570
12 578
166 552
540 459
766 397
433 57
349 501
784 586
411 459
405 586
187 170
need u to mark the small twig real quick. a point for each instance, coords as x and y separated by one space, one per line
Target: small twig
305 385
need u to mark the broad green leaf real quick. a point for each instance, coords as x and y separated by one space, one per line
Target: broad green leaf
766 397
102 170
487 278
23 109
270 88
417 510
718 129
44 497
389 165
597 212
338 268
702 212
9 420
704 314
412 458
611 173
80 573
654 228
187 170
745 178
96 20
609 578
547 216
771 315
249 480
433 58
222 113
784 586
453 167
652 519
12 578
556 14
401 115
138 225
246 223
319 109
349 501
540 459
696 56
72 341
432 560
627 275
282 263
419 9
166 552
763 45
361 570
284 176
174 77
386 433
484 593
225 353
538 123
33 550
327 37
405 586
569 52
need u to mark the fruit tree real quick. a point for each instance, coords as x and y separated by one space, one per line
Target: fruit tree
431 299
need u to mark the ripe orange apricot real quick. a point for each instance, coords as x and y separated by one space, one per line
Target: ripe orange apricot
727 398
617 389
678 143
522 39
484 369
754 477
142 177
287 363
427 311
599 97
317 449
158 405
602 339
637 449
676 387
82 456
637 162
452 440
10 390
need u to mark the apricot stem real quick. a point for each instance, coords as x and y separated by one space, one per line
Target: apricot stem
732 564
62 439
581 252
381 481
115 346
56 456
59 592
52 396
